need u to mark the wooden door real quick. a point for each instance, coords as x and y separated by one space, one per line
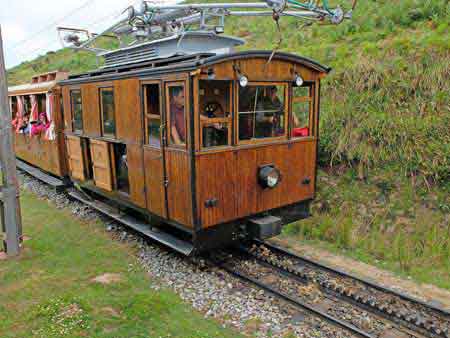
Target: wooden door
155 188
101 164
75 158
154 181
136 174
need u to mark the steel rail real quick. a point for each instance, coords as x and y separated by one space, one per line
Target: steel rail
364 281
392 318
297 302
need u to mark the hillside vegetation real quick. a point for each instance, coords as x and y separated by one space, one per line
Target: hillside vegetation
385 127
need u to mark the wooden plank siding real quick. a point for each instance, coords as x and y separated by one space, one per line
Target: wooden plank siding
179 198
231 178
135 159
91 110
101 164
257 69
75 158
154 181
127 101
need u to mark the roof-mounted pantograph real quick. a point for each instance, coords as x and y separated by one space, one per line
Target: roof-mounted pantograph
157 31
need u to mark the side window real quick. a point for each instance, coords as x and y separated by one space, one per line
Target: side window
77 110
302 111
152 111
262 112
215 113
107 112
176 108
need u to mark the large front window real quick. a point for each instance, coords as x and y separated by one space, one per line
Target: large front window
262 111
215 113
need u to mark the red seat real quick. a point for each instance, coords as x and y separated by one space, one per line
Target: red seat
300 132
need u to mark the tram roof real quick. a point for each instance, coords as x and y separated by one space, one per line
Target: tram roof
181 63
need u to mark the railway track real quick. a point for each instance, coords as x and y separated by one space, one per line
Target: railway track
389 313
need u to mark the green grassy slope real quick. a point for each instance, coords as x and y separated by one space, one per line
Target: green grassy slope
384 124
50 290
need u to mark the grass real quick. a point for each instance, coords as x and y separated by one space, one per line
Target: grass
49 292
383 221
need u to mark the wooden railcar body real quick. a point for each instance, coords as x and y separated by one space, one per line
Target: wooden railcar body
49 155
206 195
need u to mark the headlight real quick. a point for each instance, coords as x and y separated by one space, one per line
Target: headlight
243 81
269 176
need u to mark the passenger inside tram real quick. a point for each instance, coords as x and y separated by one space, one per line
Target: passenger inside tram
177 115
41 126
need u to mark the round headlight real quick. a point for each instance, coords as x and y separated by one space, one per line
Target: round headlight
298 80
243 81
269 176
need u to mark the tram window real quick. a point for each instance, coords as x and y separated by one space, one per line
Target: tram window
77 110
177 115
13 106
42 103
215 113
301 111
107 112
121 168
261 112
152 115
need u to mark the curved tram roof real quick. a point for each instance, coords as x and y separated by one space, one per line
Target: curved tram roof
181 63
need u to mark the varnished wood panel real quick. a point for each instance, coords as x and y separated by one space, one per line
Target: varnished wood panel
128 110
39 153
257 69
67 109
179 188
91 110
135 158
216 175
154 181
101 162
75 158
231 177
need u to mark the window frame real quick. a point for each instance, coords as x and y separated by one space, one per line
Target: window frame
168 122
147 117
226 120
72 111
300 99
286 104
102 127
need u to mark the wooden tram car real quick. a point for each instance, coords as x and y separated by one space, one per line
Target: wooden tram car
208 148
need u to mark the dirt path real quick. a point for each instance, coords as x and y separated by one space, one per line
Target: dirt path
426 292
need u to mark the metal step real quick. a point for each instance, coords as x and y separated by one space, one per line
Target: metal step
57 183
184 247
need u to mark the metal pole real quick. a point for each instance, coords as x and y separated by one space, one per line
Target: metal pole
9 188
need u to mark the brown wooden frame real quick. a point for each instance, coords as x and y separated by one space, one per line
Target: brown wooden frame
148 117
311 117
226 120
72 115
100 100
286 113
168 123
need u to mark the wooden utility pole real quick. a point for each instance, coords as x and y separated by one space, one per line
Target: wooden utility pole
9 192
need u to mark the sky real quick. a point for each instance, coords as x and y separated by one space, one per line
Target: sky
29 27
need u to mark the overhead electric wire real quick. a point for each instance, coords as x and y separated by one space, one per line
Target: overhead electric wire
50 26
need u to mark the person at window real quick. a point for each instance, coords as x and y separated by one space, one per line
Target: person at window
41 125
24 127
177 119
268 116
